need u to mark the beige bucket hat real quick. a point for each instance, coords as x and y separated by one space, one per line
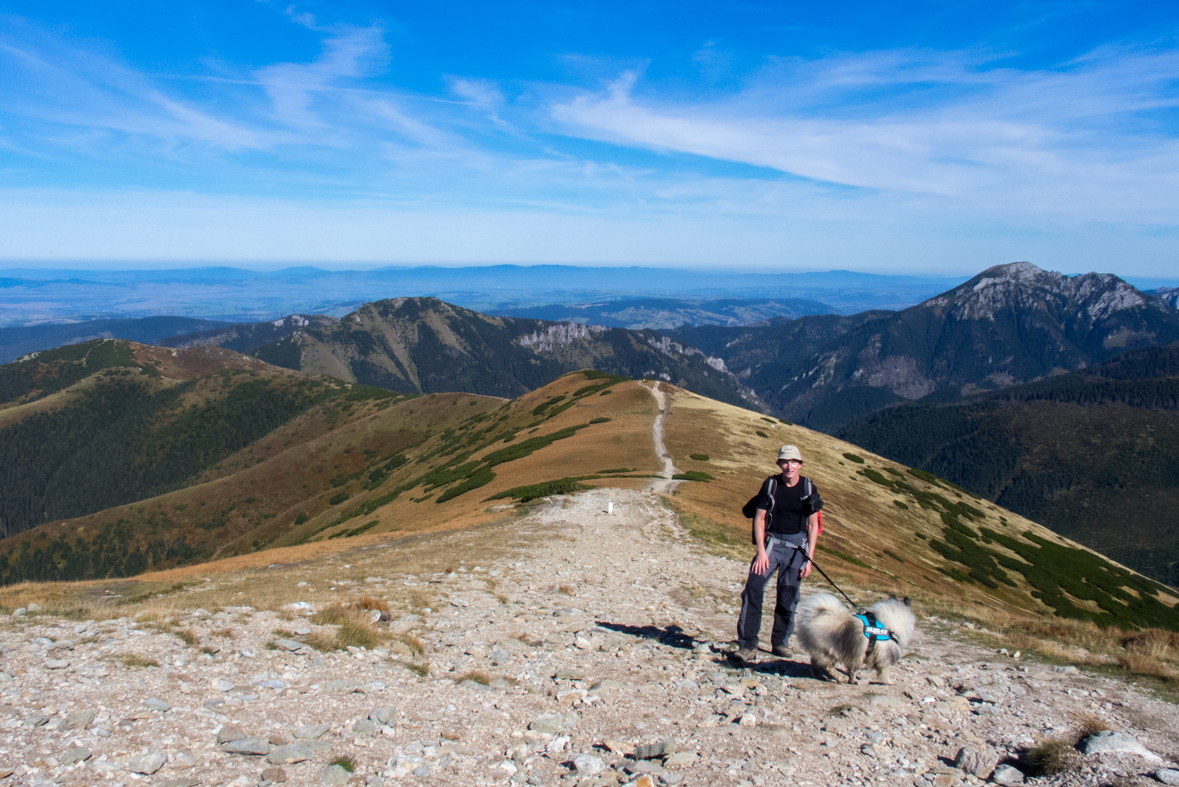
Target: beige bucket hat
789 452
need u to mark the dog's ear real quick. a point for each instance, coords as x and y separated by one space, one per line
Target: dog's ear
906 602
892 597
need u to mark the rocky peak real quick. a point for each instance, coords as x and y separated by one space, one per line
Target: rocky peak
1023 285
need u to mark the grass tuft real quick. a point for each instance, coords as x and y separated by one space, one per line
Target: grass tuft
478 676
1052 756
135 660
346 762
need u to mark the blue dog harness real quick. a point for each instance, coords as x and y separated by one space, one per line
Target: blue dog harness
873 630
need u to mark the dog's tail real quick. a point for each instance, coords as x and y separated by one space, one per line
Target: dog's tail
818 606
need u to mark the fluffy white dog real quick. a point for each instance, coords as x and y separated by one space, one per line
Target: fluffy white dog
831 634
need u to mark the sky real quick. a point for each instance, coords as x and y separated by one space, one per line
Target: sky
939 137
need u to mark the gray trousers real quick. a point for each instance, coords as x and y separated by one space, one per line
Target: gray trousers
788 562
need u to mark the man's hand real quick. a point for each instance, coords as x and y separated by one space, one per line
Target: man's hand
806 569
761 563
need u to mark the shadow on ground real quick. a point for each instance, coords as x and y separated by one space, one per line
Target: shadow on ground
675 637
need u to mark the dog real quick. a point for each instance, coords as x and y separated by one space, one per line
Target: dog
832 635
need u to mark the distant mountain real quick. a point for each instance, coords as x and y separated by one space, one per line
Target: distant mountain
667 313
1169 295
424 345
1094 454
18 341
1008 325
247 337
33 296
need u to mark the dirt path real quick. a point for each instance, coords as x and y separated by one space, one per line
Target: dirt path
551 648
664 485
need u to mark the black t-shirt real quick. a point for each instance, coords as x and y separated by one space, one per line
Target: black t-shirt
787 512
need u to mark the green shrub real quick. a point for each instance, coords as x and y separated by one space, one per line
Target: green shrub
900 505
561 486
854 458
301 518
692 475
762 434
699 457
599 420
876 477
337 499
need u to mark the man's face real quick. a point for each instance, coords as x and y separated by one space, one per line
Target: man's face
790 467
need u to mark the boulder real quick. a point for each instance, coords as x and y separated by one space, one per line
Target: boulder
977 760
588 764
147 763
1108 741
1006 774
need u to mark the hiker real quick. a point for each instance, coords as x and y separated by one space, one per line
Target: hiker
785 529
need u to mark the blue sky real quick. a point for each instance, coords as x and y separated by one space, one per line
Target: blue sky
916 138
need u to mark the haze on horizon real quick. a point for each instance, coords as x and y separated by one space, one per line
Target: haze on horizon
925 139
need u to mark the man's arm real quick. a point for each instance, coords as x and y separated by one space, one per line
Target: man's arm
761 563
812 537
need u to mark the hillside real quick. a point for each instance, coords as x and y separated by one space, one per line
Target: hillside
1093 455
1011 324
423 345
106 423
438 462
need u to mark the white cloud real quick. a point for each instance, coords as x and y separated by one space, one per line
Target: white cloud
1067 141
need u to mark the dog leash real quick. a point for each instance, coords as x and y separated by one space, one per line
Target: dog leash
829 579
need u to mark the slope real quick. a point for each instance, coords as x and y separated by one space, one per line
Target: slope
424 345
1093 455
105 423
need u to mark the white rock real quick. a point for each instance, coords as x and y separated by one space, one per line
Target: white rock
588 764
148 763
1120 742
1167 775
1006 774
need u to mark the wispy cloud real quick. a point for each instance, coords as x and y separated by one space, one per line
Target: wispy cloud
911 122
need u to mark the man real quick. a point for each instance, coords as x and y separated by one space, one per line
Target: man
786 547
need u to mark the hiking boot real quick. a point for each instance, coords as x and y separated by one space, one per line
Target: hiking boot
746 655
783 651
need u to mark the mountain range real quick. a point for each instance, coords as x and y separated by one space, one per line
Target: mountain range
1010 324
224 456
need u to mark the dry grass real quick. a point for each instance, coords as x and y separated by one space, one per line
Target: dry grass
1090 725
353 628
478 676
187 636
135 660
1052 756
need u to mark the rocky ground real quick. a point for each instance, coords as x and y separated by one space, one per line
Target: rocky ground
589 648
